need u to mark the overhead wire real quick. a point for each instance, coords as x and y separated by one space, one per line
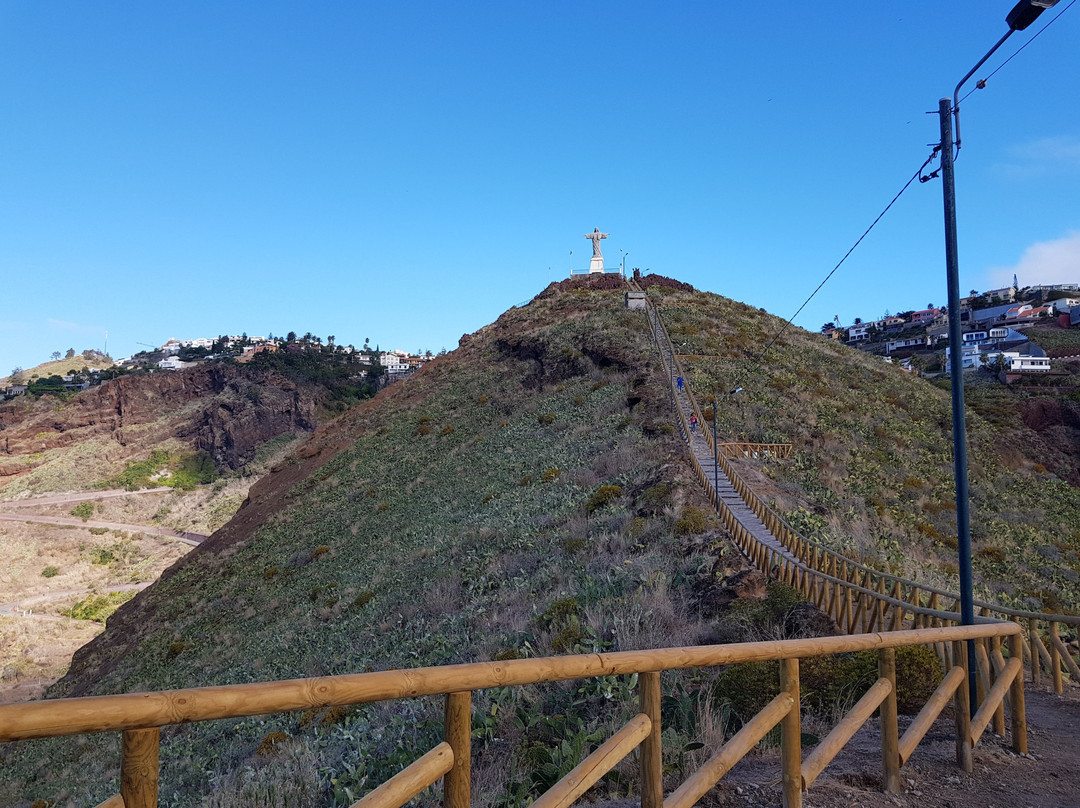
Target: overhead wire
918 174
982 82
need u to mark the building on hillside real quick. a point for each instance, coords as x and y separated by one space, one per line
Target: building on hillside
858 333
1023 358
15 390
250 351
1055 287
171 363
910 342
925 316
1026 313
984 317
1063 305
1007 293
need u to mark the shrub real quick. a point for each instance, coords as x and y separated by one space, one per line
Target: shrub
572 545
98 531
84 510
546 418
654 498
98 607
101 556
447 430
691 522
829 684
550 475
524 481
363 599
423 429
604 495
50 572
321 550
175 649
270 742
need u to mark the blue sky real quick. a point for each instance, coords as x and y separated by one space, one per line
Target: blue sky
407 171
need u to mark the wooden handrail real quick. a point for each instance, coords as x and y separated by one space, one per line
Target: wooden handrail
409 782
76 716
139 715
811 559
583 776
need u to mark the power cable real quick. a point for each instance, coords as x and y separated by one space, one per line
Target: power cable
982 82
917 175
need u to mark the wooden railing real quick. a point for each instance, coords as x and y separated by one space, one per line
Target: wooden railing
814 568
732 450
140 716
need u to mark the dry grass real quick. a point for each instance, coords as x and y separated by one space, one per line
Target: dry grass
34 652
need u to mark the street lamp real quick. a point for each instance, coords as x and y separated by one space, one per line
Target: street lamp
1022 15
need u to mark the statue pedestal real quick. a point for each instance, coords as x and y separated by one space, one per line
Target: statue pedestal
596 264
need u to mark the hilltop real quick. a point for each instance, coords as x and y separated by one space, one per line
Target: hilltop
64 366
528 494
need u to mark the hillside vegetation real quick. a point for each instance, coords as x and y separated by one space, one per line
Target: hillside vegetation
525 495
518 497
871 474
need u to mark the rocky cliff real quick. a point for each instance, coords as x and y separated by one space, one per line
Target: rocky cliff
225 410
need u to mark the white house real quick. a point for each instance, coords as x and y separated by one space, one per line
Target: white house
171 363
910 342
1020 362
858 333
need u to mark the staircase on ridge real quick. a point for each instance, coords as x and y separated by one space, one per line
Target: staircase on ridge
715 480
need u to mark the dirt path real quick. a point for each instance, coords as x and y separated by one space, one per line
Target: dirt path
79 496
17 608
180 535
1048 777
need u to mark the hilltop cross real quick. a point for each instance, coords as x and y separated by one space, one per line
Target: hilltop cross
597 262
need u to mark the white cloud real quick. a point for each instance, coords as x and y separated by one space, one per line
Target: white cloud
1056 261
1048 155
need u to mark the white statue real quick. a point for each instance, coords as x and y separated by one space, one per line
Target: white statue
597 262
596 235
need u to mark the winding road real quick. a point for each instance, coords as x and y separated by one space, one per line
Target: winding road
11 511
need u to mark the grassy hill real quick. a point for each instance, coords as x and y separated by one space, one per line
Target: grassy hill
526 495
63 367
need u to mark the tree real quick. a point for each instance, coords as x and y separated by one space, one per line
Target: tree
56 355
858 321
70 353
974 292
16 375
290 337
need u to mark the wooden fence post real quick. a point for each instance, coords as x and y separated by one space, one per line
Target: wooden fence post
139 768
890 748
791 736
1017 710
652 764
962 708
1055 659
1033 640
457 729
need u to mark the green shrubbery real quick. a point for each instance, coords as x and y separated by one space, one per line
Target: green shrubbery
98 608
183 472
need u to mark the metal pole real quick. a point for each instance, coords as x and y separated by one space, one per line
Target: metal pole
716 456
956 374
